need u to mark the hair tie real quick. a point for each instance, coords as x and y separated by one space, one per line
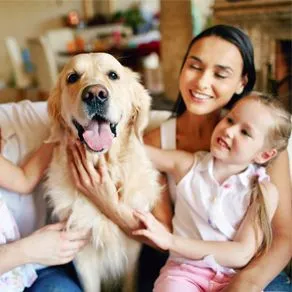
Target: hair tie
261 174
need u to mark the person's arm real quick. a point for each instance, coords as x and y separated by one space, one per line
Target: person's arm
263 269
174 162
23 179
49 245
163 210
87 179
235 254
97 186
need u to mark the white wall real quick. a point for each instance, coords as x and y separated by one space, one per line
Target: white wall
29 18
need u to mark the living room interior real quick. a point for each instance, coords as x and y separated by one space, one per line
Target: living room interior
150 36
140 34
162 24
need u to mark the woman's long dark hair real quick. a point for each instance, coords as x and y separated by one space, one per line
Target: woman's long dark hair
238 38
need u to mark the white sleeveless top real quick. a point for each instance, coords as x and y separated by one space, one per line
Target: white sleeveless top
206 210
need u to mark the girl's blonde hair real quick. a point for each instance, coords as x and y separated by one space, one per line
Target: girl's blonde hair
277 138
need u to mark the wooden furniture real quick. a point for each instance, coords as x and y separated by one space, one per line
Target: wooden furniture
268 23
23 80
44 61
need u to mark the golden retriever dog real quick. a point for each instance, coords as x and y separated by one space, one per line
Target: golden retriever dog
101 103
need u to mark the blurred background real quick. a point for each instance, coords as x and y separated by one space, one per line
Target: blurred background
37 37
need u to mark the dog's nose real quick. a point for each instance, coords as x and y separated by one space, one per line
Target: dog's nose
95 92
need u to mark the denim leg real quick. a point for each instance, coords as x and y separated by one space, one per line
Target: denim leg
56 279
281 283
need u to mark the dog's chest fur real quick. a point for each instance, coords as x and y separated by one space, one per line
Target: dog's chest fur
126 171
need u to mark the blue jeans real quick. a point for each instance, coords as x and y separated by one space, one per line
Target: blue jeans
56 279
281 283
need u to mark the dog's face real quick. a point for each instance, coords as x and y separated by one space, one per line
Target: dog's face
97 98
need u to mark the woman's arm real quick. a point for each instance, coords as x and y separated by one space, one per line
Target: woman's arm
88 179
97 186
263 269
23 179
49 245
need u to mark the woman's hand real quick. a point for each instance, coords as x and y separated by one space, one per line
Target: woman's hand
51 245
96 184
155 231
93 182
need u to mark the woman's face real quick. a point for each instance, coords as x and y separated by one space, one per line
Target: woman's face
211 75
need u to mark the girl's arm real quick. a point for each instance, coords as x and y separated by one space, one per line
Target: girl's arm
163 210
23 179
263 269
174 162
234 254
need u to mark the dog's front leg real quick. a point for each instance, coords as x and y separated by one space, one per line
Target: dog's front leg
130 277
88 268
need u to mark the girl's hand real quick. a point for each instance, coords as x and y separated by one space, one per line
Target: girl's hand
93 182
51 245
154 230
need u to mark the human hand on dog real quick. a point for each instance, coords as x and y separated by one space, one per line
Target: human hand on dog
51 245
153 230
95 183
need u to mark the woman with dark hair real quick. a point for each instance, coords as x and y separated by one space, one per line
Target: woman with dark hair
218 69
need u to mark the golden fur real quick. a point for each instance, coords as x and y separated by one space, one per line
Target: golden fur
110 253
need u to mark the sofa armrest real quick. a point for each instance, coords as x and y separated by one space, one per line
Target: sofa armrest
156 118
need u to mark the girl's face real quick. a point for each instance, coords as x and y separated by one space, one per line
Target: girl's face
211 75
240 137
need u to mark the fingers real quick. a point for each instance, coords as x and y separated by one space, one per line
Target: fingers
73 246
81 151
102 169
79 166
57 226
144 217
142 232
76 235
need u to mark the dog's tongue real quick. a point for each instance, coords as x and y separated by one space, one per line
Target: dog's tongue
98 135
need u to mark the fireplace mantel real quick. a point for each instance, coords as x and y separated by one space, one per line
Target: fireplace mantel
231 9
268 23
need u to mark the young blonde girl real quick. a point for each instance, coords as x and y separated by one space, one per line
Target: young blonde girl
225 201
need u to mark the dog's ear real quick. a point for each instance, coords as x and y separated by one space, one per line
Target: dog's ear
142 102
54 111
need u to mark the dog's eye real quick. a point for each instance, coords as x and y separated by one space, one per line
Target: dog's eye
73 77
113 75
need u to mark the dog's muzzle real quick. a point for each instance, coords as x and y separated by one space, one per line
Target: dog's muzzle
96 99
98 134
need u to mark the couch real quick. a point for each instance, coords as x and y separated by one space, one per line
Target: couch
156 118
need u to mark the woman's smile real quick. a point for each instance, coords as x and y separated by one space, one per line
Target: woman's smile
199 96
